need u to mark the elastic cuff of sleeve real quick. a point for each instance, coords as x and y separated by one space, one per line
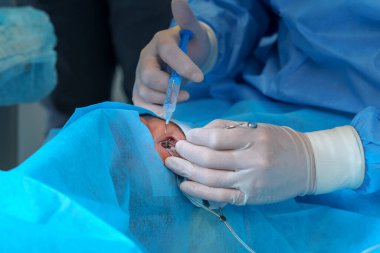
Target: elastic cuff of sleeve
213 54
339 159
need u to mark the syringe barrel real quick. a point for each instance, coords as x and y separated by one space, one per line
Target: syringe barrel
174 84
172 92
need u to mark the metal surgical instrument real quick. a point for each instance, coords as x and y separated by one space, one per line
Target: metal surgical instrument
247 124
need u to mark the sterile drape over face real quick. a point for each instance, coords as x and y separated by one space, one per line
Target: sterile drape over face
99 185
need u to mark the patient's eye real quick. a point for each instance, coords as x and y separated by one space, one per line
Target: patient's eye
168 143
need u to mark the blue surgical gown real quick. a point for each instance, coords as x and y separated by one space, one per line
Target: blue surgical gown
323 54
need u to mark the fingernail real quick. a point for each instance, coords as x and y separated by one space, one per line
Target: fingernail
183 96
179 145
186 96
197 77
170 162
174 164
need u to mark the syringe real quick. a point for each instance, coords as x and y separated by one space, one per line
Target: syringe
175 80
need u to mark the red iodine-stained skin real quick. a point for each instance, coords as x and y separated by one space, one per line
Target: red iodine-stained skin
156 127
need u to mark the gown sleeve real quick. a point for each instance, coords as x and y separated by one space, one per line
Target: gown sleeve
238 25
367 124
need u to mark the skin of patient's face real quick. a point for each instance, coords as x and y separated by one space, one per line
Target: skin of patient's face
156 127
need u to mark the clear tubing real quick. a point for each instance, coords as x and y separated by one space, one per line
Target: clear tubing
222 219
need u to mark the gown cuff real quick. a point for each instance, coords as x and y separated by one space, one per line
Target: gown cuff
213 54
339 159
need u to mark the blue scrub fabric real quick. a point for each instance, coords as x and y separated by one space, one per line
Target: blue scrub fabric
322 54
99 185
27 56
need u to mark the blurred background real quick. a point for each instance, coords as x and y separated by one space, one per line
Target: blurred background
23 127
97 48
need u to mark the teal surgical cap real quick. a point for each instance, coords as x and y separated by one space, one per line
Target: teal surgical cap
27 56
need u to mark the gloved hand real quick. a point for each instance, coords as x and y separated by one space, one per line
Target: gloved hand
151 78
267 164
244 165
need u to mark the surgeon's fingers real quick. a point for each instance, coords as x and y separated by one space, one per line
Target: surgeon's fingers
199 46
139 101
156 97
171 54
151 74
221 138
153 77
209 177
209 158
150 95
221 123
185 18
201 191
151 82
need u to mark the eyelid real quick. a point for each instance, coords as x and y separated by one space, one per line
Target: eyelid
178 127
169 145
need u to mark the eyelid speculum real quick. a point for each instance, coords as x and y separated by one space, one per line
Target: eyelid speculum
168 143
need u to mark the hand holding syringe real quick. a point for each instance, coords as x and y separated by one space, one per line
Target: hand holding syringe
152 79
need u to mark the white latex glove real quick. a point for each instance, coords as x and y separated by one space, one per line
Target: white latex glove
254 166
151 76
